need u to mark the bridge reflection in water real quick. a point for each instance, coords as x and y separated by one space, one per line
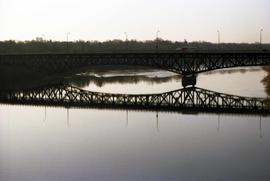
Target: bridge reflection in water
191 99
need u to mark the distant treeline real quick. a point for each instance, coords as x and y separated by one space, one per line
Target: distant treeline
42 46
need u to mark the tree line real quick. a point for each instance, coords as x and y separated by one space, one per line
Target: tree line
160 45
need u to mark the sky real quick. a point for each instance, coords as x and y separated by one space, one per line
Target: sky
194 20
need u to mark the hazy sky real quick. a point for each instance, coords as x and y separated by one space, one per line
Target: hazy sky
237 20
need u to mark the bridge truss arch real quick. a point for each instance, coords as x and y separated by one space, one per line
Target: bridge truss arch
180 63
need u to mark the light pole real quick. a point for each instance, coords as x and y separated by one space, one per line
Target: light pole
126 35
218 33
157 39
261 30
67 40
126 40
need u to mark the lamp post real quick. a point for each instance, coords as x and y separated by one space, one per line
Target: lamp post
218 33
67 40
126 35
157 39
261 30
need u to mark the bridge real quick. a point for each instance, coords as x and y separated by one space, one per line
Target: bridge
187 99
181 63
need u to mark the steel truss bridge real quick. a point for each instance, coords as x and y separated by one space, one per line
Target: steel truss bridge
187 99
181 63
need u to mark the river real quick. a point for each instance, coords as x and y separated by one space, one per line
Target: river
57 144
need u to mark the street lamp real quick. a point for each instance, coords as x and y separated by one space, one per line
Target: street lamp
218 33
261 30
126 36
67 40
157 39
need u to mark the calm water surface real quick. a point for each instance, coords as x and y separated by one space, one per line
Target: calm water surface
57 144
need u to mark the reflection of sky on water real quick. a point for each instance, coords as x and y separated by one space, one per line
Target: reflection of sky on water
100 145
243 83
238 81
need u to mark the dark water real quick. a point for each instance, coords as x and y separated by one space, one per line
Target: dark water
57 144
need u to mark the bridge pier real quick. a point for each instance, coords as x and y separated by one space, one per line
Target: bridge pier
189 80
